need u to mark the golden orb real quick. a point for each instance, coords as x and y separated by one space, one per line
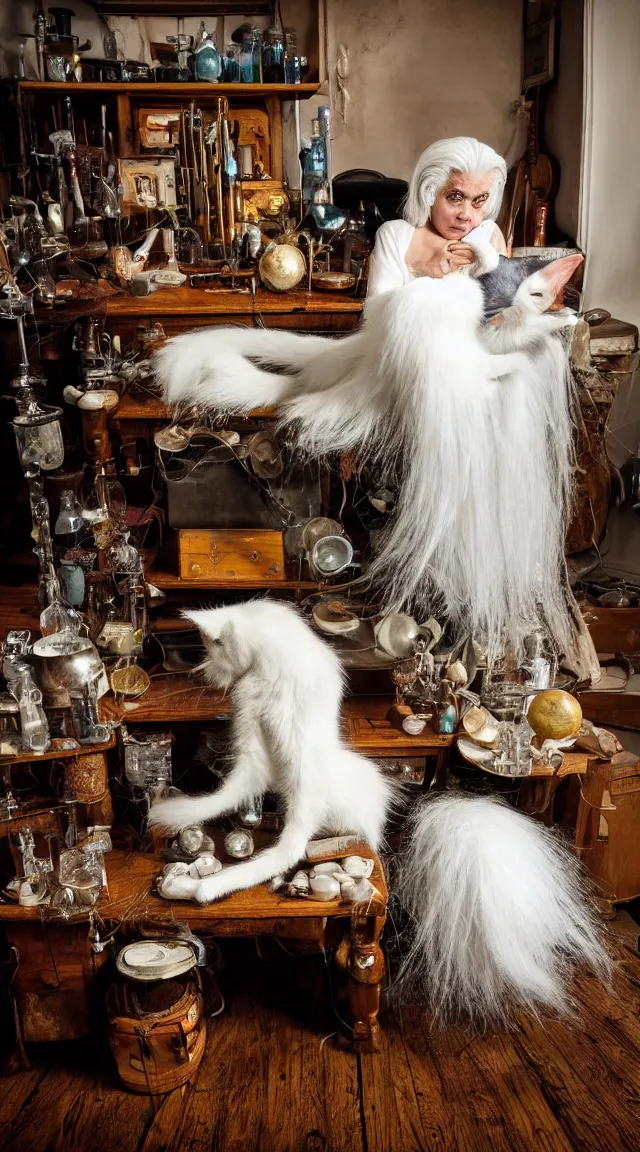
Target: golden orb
282 267
555 715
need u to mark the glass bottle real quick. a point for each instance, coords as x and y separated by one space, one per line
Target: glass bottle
256 55
123 556
273 57
291 58
246 56
33 720
57 617
314 164
207 62
69 527
231 64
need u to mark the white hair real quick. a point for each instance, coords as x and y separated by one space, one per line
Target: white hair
435 165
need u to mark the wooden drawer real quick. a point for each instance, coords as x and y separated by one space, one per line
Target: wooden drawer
231 556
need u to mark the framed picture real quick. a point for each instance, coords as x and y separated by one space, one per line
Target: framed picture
538 55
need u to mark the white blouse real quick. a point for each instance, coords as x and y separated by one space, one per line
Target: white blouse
387 266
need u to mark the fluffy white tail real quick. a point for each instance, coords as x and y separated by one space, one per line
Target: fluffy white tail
497 909
215 366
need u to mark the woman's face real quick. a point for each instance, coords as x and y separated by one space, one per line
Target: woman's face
460 205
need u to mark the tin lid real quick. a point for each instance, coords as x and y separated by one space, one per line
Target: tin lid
155 959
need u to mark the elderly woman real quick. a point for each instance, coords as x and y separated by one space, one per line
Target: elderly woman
454 196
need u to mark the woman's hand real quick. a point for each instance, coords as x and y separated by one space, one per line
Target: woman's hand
436 257
461 255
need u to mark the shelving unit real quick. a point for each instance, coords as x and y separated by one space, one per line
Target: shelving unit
181 91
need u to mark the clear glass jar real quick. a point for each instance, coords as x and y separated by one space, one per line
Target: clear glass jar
38 435
292 73
273 57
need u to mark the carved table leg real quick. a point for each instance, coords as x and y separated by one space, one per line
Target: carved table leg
361 956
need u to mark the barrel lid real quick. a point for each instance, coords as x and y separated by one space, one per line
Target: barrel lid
155 959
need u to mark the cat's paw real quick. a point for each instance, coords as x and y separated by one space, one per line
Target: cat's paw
207 890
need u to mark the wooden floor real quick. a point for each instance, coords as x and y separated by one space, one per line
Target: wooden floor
274 1080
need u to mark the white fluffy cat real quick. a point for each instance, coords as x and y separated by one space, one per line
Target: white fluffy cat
286 686
479 418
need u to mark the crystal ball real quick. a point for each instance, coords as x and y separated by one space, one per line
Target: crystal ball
555 715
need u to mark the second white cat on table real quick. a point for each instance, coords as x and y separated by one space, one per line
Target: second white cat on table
286 686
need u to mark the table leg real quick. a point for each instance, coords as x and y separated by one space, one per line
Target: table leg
362 958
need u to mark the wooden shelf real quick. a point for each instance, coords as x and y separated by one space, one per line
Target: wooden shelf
180 91
135 408
168 581
60 754
186 301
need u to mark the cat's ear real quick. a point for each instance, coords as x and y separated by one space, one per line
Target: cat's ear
235 647
559 272
205 619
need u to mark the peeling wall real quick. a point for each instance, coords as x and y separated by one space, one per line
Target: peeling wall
420 70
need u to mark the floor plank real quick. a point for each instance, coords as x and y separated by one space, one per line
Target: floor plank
273 1079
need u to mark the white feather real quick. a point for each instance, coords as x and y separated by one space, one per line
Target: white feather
497 909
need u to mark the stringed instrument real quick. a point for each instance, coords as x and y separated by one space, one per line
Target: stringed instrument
532 188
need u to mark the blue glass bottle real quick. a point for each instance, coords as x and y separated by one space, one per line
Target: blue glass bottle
314 165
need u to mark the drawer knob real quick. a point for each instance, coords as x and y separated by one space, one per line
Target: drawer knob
195 569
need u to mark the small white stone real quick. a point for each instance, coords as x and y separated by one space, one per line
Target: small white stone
301 883
348 888
357 866
364 890
328 868
207 865
325 887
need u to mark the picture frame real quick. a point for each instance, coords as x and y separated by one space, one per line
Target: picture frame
538 54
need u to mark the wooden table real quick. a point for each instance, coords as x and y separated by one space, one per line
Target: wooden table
55 957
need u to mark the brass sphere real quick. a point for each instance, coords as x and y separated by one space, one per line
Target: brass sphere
555 715
282 267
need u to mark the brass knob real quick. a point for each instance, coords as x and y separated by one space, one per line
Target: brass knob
195 569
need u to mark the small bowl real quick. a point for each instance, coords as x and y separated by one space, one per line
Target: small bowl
333 281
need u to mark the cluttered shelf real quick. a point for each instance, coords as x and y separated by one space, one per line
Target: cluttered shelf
171 581
179 89
58 753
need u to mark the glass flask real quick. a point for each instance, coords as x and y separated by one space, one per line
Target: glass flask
69 527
